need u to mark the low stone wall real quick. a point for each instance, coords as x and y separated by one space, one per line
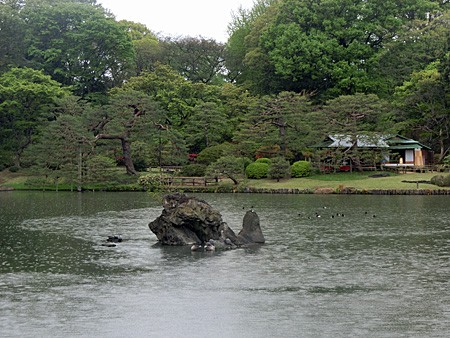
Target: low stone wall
412 192
342 191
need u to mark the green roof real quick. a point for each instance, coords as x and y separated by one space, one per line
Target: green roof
406 146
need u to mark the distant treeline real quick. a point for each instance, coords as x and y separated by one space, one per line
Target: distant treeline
81 92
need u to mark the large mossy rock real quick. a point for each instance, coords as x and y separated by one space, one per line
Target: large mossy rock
189 220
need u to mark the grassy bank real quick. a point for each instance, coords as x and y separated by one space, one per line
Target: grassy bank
25 180
358 181
331 182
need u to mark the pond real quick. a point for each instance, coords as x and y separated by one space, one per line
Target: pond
368 266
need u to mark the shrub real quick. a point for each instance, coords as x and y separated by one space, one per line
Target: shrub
246 161
151 183
447 181
14 169
37 182
301 169
211 154
441 181
193 170
140 164
257 170
279 168
228 166
100 169
264 160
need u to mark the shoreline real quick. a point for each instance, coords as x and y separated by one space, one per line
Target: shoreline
338 184
274 191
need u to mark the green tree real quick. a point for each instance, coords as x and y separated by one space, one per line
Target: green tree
279 168
229 166
313 45
78 44
27 98
425 107
99 169
64 143
147 48
196 59
176 95
427 41
243 50
357 118
62 150
207 126
213 153
172 150
12 32
278 120
127 114
13 4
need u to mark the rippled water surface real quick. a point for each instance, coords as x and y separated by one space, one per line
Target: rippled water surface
375 266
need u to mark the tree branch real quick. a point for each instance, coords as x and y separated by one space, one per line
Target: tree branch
109 137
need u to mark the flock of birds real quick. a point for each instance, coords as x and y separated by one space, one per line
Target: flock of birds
112 240
209 246
332 215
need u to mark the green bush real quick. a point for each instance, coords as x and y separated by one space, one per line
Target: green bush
301 169
441 180
194 170
14 169
151 183
228 166
5 159
446 159
100 169
257 170
264 160
279 168
140 164
36 182
212 154
447 181
246 161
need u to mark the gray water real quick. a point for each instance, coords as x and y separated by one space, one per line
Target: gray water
380 270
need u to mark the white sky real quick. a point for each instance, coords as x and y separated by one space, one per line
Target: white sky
206 18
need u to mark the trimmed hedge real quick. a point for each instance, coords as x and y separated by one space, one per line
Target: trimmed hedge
301 169
264 160
441 180
193 170
257 170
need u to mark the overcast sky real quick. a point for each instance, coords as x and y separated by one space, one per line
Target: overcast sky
206 18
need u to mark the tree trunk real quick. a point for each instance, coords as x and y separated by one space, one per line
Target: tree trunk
22 147
126 151
231 177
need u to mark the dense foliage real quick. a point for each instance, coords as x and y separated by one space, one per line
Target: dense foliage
441 180
257 170
301 169
81 92
279 168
